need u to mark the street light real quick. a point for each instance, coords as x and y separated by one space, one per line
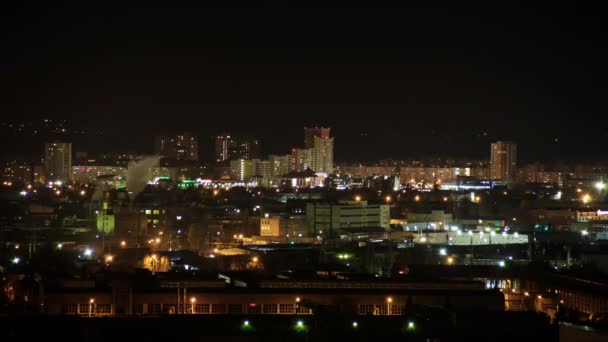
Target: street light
358 198
586 198
389 300
411 325
600 185
91 301
388 199
192 301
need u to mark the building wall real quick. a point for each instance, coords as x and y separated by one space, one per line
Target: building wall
88 174
301 159
270 226
503 160
310 133
180 147
58 161
329 218
280 164
323 155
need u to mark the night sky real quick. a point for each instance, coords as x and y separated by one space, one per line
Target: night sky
391 82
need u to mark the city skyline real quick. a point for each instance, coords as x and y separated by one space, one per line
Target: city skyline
352 146
242 171
418 82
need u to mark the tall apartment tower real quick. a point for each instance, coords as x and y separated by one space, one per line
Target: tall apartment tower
311 132
223 145
503 160
58 161
228 147
323 155
180 147
249 148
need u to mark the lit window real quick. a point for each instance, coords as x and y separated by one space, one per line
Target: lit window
148 212
156 212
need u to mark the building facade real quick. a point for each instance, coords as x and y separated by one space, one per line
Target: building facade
229 147
323 155
328 220
310 133
503 160
180 147
58 161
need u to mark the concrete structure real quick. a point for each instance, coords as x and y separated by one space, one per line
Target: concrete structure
223 144
280 164
323 155
436 219
503 160
301 159
58 161
228 147
249 148
328 219
89 174
310 133
180 147
245 169
270 226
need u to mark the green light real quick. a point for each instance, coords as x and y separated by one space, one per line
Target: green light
355 324
300 326
246 325
411 325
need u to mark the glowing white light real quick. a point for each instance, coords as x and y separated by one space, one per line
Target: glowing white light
88 252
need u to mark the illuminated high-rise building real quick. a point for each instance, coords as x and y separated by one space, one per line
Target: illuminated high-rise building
280 164
180 147
249 148
58 161
503 160
323 155
223 146
301 159
311 132
228 147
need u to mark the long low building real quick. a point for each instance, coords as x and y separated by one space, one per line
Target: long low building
271 298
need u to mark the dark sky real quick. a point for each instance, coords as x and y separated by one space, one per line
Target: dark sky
391 82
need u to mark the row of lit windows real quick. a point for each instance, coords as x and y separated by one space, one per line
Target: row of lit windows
152 212
222 309
88 308
382 309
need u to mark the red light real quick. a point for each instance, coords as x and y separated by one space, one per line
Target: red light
253 305
401 272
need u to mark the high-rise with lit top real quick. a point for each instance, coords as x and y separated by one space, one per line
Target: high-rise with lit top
503 160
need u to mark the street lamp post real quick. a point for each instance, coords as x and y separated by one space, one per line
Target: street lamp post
91 301
192 301
389 300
